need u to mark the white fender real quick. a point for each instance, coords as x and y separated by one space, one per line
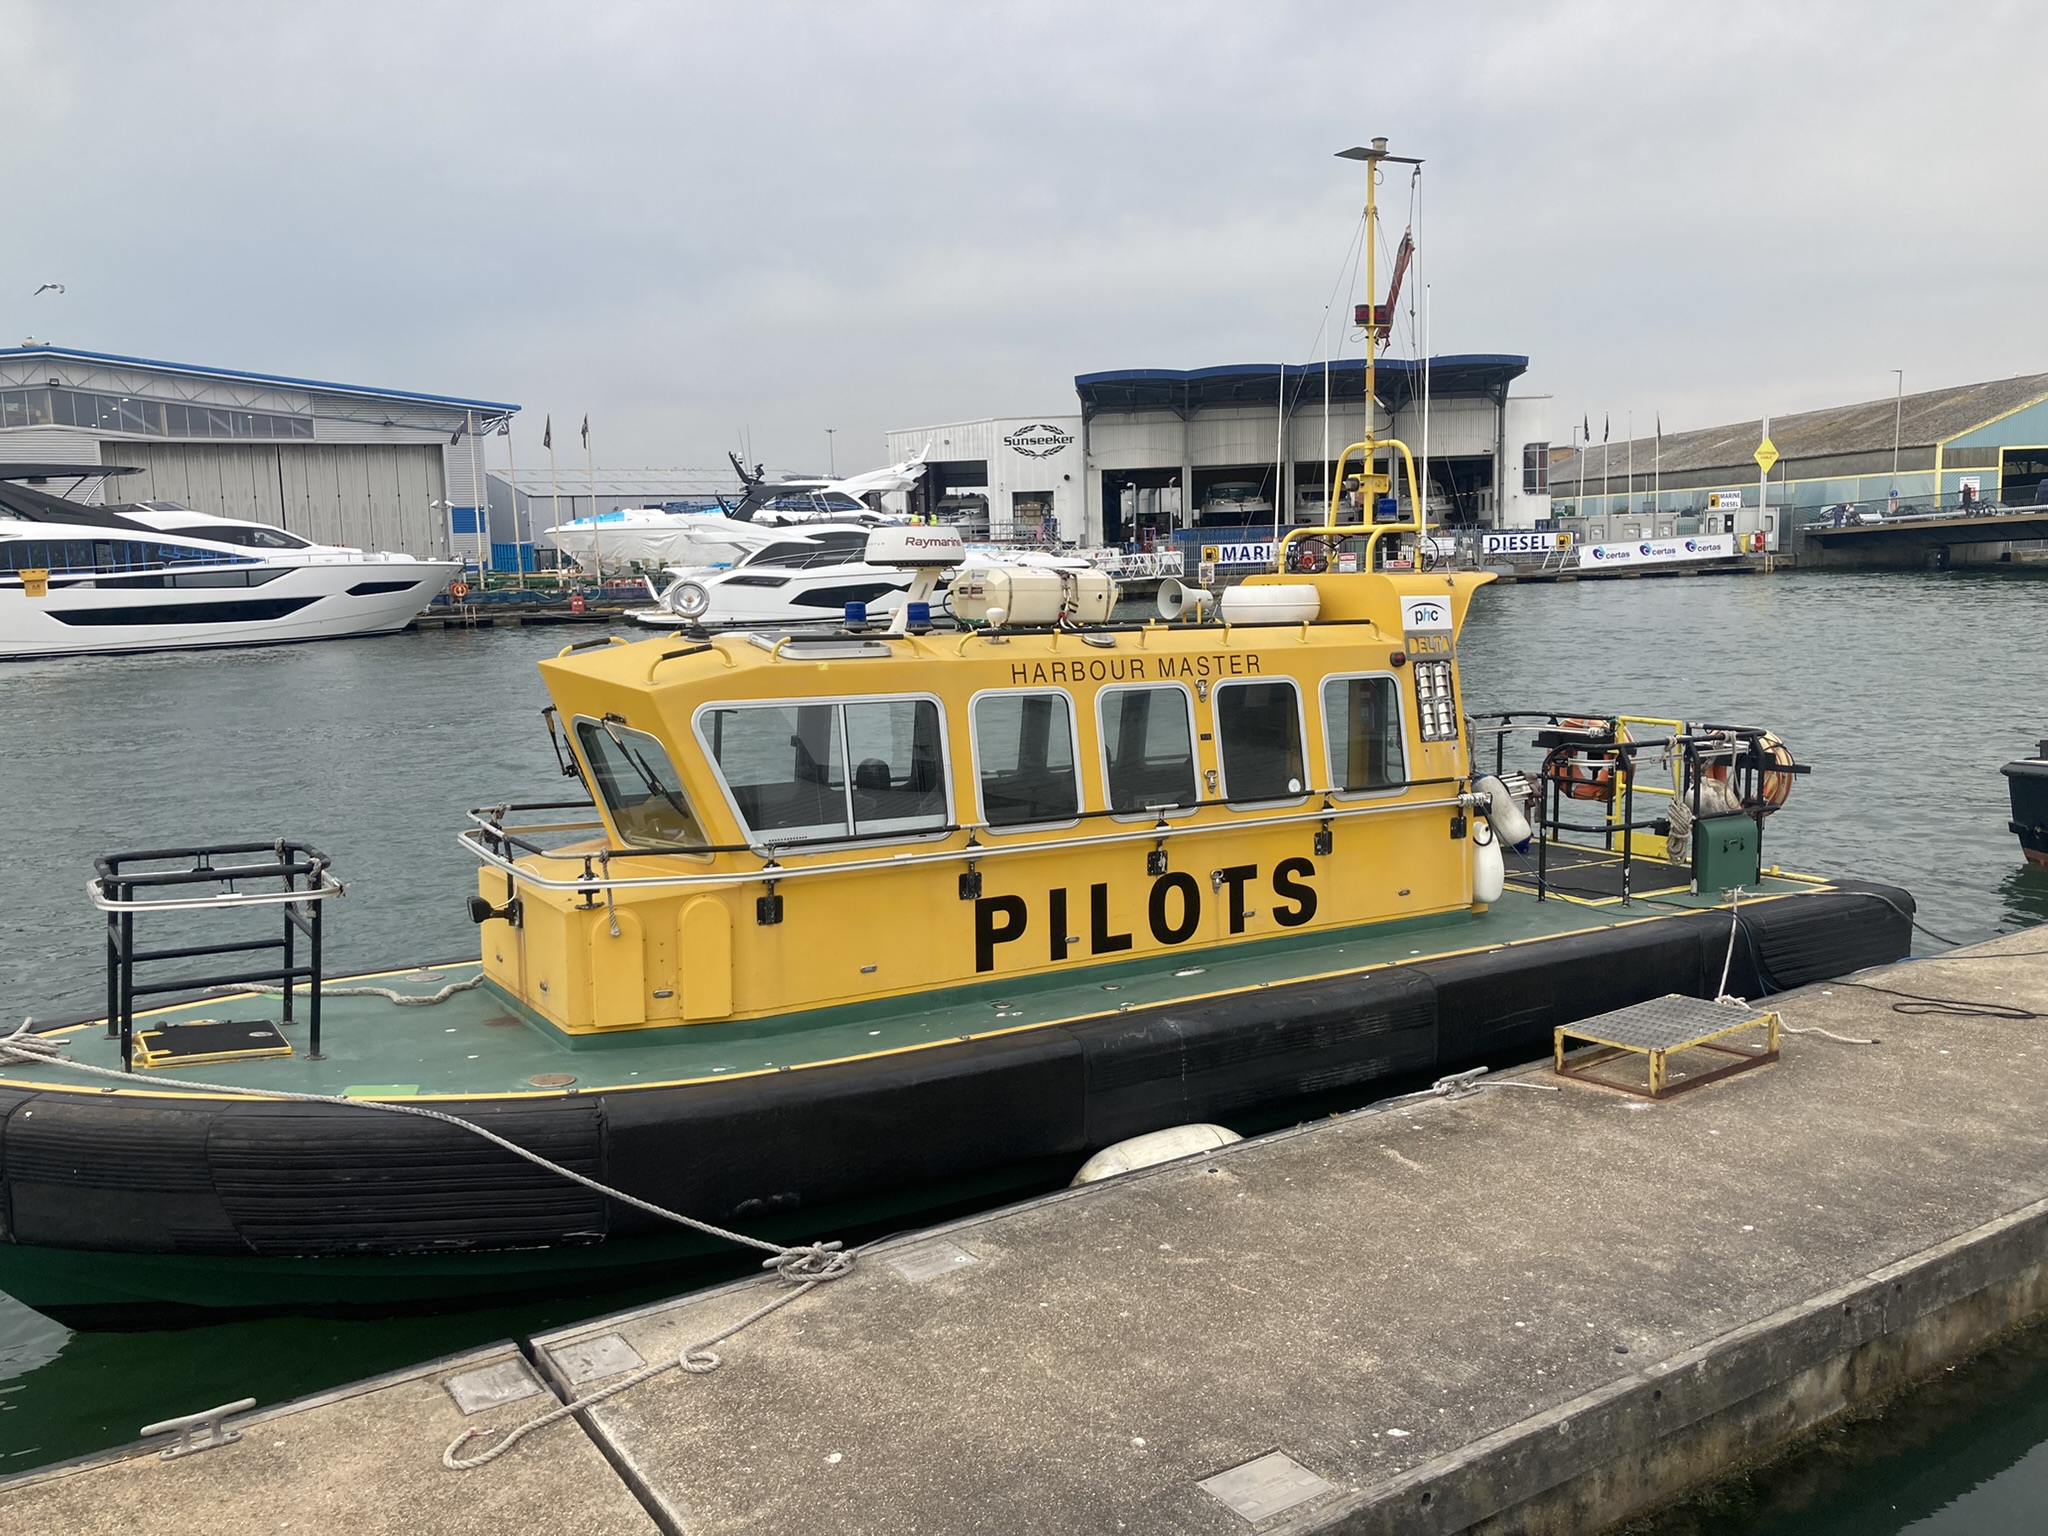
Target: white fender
1153 1148
1503 812
1489 869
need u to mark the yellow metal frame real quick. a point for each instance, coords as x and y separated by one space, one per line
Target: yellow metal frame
1602 1051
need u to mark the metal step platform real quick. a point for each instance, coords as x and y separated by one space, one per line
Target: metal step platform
1656 1031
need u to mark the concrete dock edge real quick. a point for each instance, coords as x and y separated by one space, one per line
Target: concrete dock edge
1624 1448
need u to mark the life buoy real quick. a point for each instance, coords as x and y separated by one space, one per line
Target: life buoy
1773 788
1583 778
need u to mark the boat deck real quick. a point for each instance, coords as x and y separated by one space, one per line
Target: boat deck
478 1044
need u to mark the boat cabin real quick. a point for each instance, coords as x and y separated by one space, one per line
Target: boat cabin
811 822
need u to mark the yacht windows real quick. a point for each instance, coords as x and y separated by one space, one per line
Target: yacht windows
1258 738
1024 752
1362 724
786 767
1148 747
638 785
249 535
105 555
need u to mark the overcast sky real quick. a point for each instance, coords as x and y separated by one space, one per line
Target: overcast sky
691 220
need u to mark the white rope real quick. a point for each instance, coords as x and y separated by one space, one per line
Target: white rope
403 999
806 1267
1815 1029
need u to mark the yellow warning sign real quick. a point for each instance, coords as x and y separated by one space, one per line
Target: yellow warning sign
1766 455
1211 553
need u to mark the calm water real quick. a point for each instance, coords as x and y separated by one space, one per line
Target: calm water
1905 691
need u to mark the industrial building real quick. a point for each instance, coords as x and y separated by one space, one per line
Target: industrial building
1154 454
337 463
1940 448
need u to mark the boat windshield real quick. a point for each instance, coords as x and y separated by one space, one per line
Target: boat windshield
639 786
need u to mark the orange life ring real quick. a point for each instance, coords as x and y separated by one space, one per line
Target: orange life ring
1773 788
1579 777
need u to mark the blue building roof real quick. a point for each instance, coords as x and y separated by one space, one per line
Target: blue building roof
192 370
1464 374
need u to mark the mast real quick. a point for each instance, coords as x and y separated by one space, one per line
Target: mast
1374 157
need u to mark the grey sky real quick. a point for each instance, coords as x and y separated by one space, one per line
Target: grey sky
690 219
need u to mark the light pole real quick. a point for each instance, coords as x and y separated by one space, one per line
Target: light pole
1898 415
831 453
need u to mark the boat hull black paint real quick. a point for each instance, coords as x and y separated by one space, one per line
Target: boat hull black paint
395 1196
2028 781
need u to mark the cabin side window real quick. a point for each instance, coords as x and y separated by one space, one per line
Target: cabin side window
1258 738
1362 725
1148 748
1024 754
786 767
638 784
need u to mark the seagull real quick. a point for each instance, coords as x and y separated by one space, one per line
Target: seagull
49 287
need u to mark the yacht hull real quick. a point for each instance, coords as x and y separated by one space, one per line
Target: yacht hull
325 600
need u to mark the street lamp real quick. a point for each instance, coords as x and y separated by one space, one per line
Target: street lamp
1898 415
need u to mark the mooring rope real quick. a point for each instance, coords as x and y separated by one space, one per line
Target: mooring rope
389 994
804 1267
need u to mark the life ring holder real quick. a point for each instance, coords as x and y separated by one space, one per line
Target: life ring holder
1774 788
1579 777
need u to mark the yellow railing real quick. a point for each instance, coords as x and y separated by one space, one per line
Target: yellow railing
1368 453
1650 771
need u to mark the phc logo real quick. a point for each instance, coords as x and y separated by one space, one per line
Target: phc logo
1642 549
1424 613
1692 546
1599 553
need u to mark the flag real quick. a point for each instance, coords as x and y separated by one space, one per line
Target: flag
586 429
505 427
1586 433
1606 426
547 433
458 434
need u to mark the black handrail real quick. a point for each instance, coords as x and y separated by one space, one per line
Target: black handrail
120 886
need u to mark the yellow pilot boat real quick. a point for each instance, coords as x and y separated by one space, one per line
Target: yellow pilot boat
856 924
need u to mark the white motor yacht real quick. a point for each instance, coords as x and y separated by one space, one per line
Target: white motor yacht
155 575
806 576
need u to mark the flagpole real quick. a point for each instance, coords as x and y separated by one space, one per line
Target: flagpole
479 509
1632 470
547 441
1657 470
512 479
596 537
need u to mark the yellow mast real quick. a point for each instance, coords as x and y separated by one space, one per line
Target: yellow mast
1374 157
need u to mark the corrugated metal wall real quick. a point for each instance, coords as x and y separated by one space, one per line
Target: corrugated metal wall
374 496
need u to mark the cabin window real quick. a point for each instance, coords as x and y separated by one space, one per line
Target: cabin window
1024 750
1258 739
1362 724
1148 746
639 786
786 767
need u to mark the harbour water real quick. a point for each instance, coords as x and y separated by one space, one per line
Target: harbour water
1905 691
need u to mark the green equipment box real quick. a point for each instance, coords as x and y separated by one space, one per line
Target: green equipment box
1728 853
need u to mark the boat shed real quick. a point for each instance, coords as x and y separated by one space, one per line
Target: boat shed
1155 454
380 469
1937 449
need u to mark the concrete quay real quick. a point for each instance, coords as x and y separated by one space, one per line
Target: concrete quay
1517 1311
